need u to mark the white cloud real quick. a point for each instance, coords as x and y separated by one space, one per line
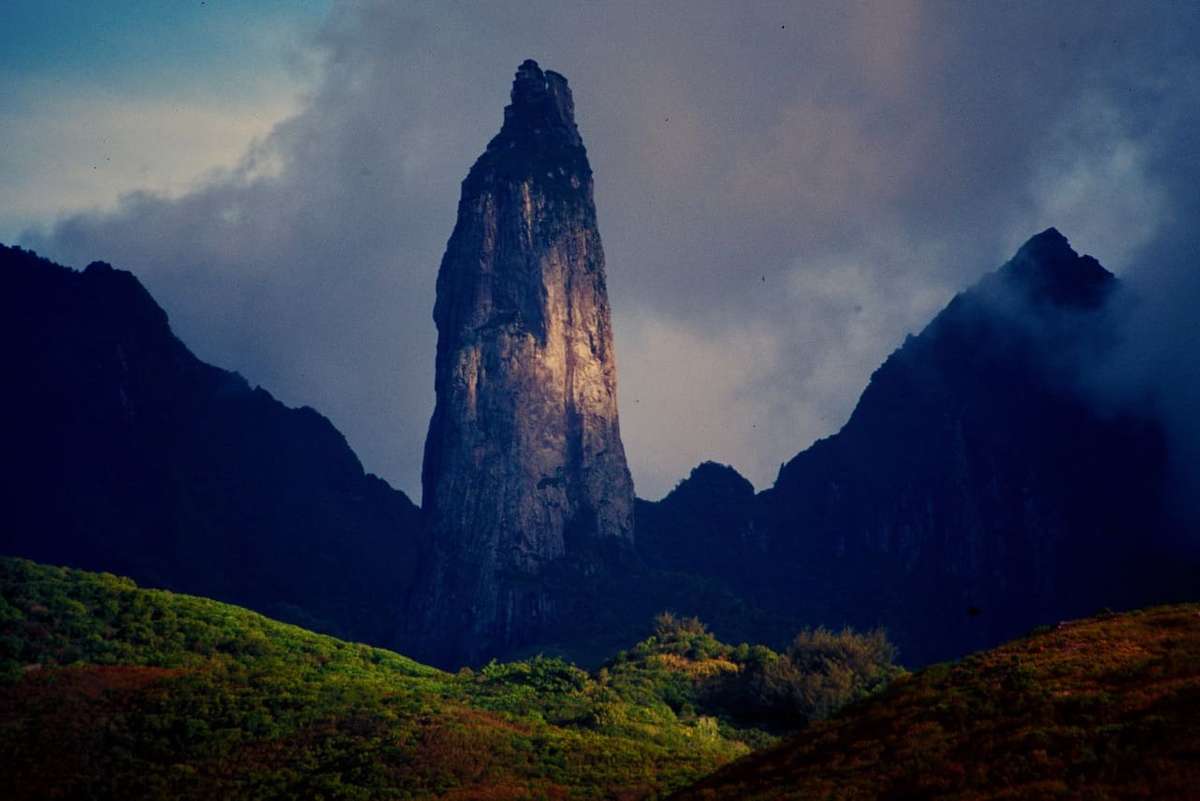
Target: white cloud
1094 184
755 392
689 396
84 152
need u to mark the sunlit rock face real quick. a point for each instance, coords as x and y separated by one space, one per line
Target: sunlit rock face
524 468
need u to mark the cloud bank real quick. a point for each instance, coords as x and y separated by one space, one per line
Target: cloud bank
783 192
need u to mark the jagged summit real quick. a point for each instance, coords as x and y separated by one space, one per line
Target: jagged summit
541 104
1050 242
1047 269
714 477
539 139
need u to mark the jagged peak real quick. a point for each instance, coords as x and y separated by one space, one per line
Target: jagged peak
709 470
538 139
713 478
541 103
1049 243
540 109
1046 268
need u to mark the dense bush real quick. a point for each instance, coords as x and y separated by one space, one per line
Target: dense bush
668 625
838 668
754 690
820 672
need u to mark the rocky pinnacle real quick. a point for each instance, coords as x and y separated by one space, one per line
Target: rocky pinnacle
524 469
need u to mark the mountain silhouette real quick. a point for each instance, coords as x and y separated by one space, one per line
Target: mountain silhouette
978 488
126 453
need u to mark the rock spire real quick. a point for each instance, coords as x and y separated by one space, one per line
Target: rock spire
524 471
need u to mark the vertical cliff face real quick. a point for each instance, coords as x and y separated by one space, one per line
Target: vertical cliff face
524 468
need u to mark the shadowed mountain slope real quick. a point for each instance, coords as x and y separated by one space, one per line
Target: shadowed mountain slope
125 452
977 490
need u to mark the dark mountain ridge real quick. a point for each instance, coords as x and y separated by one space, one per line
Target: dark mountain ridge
976 490
126 453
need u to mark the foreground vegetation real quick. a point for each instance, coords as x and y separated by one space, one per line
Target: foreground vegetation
1103 708
111 691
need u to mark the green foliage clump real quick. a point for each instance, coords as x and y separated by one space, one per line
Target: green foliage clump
821 672
835 669
668 625
754 692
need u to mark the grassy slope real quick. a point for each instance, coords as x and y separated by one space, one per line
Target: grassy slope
1103 708
110 691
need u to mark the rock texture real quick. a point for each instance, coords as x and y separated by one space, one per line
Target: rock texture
126 453
524 468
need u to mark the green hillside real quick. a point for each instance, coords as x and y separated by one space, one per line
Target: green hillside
111 691
1103 708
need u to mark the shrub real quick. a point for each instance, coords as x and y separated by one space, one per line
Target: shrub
820 672
668 625
836 669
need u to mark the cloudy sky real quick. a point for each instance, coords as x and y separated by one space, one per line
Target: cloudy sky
784 189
